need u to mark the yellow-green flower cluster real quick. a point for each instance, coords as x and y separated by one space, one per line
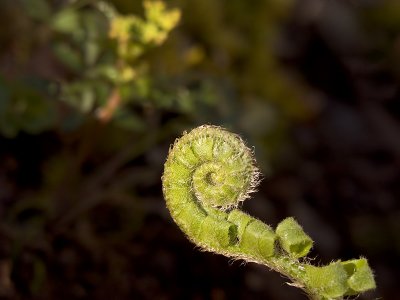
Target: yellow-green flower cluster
134 34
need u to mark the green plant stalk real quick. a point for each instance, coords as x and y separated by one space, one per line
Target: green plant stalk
208 173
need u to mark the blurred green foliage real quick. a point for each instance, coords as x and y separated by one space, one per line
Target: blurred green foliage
101 54
105 63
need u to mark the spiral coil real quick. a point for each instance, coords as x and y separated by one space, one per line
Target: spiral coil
208 173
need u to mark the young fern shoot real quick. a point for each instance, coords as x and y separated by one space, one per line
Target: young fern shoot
208 173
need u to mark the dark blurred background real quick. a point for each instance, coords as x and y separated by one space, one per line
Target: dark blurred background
93 93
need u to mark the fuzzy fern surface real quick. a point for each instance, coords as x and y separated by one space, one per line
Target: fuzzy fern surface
208 173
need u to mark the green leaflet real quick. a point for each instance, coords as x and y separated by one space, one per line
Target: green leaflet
208 173
293 239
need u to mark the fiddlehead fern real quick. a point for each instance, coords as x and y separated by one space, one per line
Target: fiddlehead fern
208 173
